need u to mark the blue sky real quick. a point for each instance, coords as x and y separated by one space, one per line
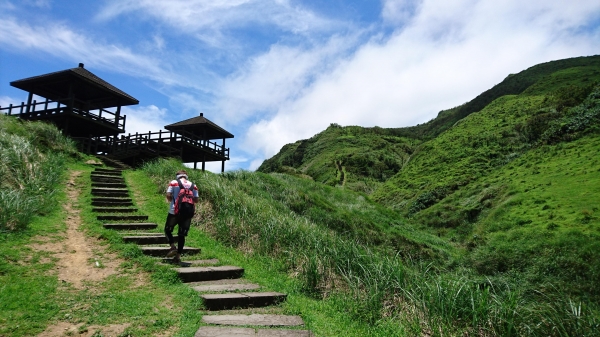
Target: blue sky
275 71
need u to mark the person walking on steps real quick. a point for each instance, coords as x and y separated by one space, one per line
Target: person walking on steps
182 194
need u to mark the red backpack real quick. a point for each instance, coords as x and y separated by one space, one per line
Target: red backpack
184 203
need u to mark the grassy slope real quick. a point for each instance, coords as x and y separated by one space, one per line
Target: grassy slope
372 155
358 158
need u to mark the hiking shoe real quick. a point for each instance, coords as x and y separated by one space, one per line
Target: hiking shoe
172 252
176 260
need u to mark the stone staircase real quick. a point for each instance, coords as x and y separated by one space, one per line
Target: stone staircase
220 287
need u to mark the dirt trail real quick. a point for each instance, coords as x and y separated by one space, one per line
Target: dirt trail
82 262
80 259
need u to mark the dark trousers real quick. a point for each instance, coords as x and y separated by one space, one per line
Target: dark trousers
182 230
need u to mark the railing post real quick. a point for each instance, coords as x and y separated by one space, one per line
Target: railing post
33 105
10 109
46 104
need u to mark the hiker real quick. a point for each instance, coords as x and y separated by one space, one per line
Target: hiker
181 194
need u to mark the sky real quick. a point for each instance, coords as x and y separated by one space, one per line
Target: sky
272 72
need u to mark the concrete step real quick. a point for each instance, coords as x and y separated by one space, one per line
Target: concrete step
111 203
110 194
130 226
106 189
109 199
197 274
107 173
147 239
213 331
241 300
122 217
191 263
162 251
99 169
254 319
107 179
114 210
223 285
109 185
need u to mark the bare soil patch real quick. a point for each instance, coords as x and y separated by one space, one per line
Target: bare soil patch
69 329
80 259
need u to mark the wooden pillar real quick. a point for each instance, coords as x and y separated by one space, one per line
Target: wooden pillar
222 166
203 162
223 148
195 164
29 98
117 115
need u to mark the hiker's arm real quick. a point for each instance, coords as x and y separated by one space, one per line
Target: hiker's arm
169 197
195 200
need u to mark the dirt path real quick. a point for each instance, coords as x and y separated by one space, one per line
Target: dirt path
81 263
80 259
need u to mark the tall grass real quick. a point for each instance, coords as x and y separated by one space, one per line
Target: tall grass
251 211
32 161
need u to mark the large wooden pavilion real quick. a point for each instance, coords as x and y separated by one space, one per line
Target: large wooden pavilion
76 101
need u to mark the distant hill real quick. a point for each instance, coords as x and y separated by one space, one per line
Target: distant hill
512 177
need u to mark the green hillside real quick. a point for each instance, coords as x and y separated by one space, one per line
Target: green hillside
511 179
355 157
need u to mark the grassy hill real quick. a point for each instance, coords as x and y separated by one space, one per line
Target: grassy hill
510 179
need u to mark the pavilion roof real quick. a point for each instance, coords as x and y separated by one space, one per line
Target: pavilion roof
86 87
201 127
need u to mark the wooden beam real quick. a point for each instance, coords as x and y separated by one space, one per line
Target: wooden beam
29 98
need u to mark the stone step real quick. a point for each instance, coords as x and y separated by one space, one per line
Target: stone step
197 274
110 194
111 203
223 285
241 300
114 210
162 251
99 169
97 177
191 263
213 331
105 199
130 226
254 319
109 185
122 217
106 189
107 179
107 173
147 239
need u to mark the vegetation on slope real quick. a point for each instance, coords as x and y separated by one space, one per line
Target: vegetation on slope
354 157
32 162
259 214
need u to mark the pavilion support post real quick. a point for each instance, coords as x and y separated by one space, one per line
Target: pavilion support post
195 164
29 98
117 115
223 148
203 162
71 101
222 166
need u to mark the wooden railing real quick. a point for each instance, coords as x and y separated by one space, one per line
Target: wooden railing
45 108
161 143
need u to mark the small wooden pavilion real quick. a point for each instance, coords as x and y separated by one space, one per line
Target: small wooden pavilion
76 101
201 149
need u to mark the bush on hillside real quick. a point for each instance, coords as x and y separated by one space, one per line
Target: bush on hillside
32 160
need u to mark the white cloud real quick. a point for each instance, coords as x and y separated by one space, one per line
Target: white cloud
143 119
447 54
267 81
62 42
208 19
